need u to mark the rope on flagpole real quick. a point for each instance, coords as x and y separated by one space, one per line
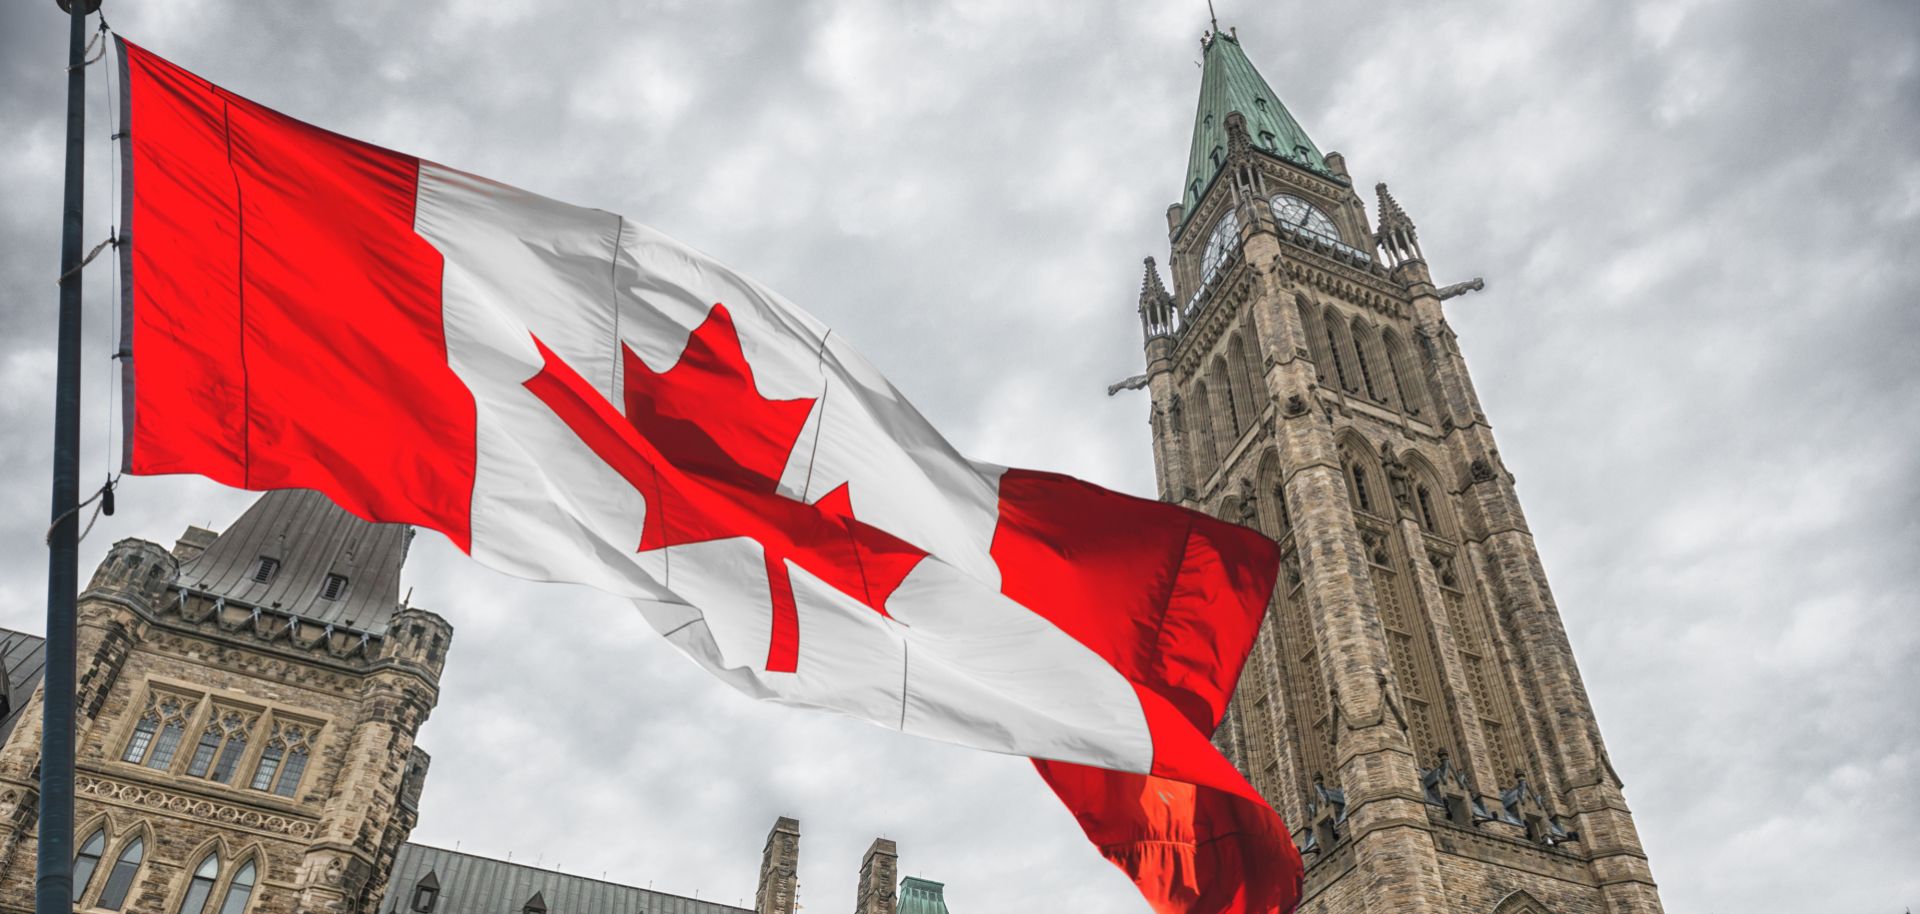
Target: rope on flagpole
104 496
113 239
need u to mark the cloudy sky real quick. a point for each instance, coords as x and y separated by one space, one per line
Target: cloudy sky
1697 222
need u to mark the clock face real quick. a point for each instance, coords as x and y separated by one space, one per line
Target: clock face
1226 234
1290 210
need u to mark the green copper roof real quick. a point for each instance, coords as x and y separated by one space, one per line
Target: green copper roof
1229 83
921 896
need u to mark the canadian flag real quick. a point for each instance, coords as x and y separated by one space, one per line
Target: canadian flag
571 396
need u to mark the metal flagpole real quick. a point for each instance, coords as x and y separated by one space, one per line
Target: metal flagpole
53 884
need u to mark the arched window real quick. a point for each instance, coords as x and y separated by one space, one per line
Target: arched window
1428 519
1363 353
1316 337
1200 436
1246 388
240 890
1222 384
1362 497
1341 341
88 860
120 880
201 888
1406 375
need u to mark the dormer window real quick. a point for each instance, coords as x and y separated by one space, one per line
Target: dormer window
535 905
264 568
426 894
334 587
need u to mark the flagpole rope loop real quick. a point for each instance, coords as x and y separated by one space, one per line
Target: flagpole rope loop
113 238
104 496
95 50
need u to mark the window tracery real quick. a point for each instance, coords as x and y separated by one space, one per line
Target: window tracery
222 741
157 734
284 758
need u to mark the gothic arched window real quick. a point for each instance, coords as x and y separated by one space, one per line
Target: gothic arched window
1340 346
1222 382
1245 388
200 889
1362 497
1316 337
88 860
1428 519
120 879
1406 375
1200 436
1362 353
239 891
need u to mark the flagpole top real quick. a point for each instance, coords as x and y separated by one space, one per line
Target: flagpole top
66 6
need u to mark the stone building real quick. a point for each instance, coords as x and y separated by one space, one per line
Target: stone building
248 706
247 709
1412 706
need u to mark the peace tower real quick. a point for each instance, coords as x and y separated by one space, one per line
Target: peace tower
1412 706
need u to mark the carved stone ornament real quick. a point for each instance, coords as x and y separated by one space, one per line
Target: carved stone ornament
1246 505
1480 469
194 808
1296 406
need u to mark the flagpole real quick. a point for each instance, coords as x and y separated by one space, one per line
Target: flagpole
53 883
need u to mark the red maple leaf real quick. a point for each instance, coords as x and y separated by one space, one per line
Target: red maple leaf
706 451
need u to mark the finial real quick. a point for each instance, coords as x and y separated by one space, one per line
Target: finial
1158 316
1213 18
1396 235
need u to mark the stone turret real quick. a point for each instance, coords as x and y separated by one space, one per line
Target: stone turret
779 867
878 870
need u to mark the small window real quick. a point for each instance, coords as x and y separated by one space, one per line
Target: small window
426 893
121 879
1427 519
264 568
1267 138
1260 103
334 587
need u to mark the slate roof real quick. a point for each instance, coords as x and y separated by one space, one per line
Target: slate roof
22 659
311 537
922 896
471 884
1229 83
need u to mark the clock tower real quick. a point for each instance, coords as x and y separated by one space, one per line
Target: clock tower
1412 706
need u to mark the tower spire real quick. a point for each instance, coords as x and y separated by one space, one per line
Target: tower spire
1213 18
1228 84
